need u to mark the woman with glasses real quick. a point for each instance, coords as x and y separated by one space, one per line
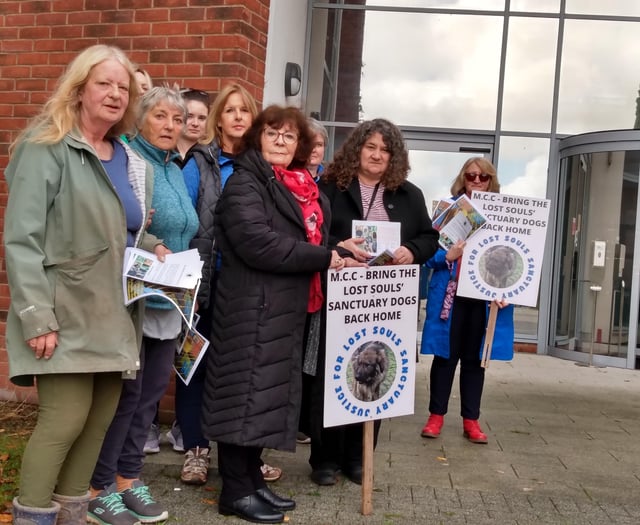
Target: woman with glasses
207 166
455 326
271 228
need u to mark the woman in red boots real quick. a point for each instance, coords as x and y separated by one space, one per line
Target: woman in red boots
455 326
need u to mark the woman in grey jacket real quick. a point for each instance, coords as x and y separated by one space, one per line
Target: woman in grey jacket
77 198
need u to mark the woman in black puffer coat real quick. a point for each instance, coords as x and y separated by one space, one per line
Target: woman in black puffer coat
271 229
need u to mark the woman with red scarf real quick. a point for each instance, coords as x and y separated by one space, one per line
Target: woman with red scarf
271 230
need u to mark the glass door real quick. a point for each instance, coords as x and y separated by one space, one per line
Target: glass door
435 161
596 294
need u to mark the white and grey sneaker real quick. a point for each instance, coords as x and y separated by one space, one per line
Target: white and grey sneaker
174 436
152 445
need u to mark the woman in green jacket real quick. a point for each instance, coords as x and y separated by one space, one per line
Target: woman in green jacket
77 198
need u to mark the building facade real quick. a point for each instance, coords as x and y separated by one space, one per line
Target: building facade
525 83
537 86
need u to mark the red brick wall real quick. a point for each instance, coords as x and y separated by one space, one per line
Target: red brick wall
201 44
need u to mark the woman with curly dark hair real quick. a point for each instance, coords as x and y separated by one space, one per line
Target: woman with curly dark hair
367 180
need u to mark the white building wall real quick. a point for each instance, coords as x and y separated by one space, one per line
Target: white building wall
285 43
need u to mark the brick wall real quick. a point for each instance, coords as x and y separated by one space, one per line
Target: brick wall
201 44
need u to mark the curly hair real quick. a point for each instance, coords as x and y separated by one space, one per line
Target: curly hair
275 117
344 167
457 188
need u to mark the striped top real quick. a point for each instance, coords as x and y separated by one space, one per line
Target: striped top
377 211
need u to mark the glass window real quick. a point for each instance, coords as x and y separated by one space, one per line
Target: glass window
522 170
442 73
600 7
522 167
434 171
599 78
485 5
529 74
535 6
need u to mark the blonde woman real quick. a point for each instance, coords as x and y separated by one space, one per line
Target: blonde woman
78 197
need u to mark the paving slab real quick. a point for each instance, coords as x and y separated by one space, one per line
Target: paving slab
564 448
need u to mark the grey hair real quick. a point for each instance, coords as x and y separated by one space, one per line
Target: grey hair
156 95
318 129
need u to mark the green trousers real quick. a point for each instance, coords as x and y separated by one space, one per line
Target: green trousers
74 413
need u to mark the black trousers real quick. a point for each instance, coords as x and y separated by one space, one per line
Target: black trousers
332 448
239 469
468 324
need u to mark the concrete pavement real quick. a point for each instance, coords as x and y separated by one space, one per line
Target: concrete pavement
564 447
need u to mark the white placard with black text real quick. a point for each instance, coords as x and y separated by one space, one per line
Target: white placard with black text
371 343
503 260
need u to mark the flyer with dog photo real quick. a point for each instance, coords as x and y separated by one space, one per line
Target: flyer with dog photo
378 236
371 343
458 221
177 279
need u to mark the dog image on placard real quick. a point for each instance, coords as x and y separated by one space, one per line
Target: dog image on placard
370 365
501 266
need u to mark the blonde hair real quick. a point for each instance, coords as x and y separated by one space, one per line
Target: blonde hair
146 76
457 188
213 132
60 113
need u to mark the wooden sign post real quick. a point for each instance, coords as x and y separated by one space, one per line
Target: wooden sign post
488 338
367 468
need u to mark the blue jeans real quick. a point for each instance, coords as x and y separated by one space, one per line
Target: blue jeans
123 448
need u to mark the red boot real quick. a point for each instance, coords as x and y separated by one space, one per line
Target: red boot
473 432
433 426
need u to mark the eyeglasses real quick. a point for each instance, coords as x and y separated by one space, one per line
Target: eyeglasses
471 177
288 136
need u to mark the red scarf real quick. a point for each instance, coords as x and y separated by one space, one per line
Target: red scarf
305 191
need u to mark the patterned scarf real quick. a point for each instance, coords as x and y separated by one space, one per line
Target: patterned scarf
305 191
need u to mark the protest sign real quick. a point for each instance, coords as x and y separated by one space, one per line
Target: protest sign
371 343
503 260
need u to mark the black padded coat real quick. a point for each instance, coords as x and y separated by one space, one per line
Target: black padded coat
405 205
253 382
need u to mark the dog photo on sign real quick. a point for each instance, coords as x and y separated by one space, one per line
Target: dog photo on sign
370 365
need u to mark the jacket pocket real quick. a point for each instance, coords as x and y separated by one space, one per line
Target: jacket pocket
75 269
88 299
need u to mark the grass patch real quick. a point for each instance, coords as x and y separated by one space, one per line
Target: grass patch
16 424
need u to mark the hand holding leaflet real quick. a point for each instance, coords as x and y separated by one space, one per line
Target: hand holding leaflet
380 238
458 222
